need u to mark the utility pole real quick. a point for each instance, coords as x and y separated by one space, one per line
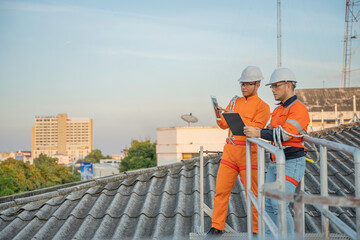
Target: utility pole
352 15
279 34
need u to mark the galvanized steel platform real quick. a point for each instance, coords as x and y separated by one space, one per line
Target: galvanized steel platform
244 236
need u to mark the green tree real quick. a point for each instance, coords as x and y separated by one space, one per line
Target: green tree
94 156
17 176
48 168
141 154
53 173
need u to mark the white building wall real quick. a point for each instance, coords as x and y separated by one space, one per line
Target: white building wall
62 159
173 142
103 170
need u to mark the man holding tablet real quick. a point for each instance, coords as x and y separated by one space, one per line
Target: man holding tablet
253 112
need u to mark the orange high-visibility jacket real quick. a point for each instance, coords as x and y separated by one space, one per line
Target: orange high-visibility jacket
253 111
294 119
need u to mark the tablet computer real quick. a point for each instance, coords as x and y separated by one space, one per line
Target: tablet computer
216 106
235 123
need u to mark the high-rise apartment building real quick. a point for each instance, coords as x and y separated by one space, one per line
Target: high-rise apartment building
62 135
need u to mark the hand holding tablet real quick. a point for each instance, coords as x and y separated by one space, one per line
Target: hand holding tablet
235 123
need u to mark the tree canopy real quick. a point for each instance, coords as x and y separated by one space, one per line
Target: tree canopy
94 156
17 176
141 154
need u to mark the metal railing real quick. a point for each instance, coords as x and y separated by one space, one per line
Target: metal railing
276 190
259 203
203 207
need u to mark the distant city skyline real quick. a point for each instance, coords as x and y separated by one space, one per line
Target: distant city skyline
133 67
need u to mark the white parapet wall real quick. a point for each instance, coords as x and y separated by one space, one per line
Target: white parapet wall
103 170
177 143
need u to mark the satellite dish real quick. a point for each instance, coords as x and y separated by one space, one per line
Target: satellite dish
189 118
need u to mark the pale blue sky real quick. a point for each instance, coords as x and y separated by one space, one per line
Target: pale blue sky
134 66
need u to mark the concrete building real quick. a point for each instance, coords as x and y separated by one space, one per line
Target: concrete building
177 143
4 156
120 156
329 107
62 158
24 156
103 170
112 162
62 135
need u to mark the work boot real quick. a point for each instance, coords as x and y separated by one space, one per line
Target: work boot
213 234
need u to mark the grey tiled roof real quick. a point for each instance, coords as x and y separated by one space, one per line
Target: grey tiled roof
317 99
158 203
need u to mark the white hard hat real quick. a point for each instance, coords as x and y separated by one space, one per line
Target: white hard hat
281 75
251 74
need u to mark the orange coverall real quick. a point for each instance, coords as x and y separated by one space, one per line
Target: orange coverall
254 112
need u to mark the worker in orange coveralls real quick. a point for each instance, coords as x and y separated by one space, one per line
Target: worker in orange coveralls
254 112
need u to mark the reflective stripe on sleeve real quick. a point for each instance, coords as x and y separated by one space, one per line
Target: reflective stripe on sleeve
295 124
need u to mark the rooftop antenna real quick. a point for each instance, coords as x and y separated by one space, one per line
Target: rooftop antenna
189 118
279 33
352 15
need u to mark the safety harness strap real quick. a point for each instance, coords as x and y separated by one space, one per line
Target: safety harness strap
290 179
232 102
237 142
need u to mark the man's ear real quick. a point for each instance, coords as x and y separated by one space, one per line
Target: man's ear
291 87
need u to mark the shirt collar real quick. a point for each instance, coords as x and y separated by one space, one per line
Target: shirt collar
251 97
289 101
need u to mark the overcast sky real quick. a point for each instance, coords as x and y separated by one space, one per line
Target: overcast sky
134 66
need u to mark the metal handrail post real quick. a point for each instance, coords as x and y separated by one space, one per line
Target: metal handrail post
261 199
299 218
302 188
280 172
357 189
248 189
324 189
280 161
202 188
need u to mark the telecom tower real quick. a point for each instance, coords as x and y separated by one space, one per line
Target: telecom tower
352 15
279 61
